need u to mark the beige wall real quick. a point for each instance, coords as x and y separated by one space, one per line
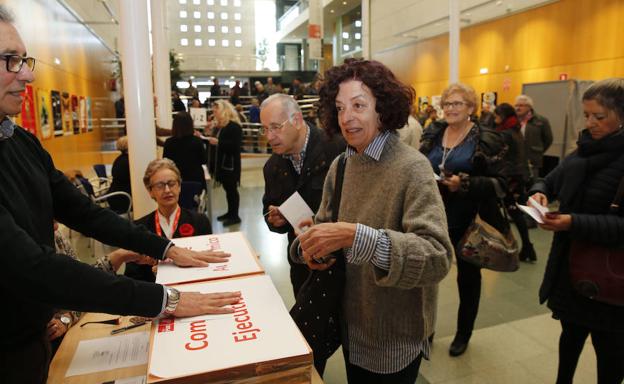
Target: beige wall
50 32
584 39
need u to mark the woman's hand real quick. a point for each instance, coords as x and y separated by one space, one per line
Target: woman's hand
540 198
120 256
452 182
319 241
183 257
55 329
195 303
274 217
556 222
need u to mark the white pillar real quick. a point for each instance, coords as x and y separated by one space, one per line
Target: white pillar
162 69
366 32
139 98
453 41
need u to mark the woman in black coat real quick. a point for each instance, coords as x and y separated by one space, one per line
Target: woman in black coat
468 160
585 184
186 150
227 169
121 178
508 126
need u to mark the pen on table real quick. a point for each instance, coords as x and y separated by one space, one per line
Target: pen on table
123 329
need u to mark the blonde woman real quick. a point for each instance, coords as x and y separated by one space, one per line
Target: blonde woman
227 168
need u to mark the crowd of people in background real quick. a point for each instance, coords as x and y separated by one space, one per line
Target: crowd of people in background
428 171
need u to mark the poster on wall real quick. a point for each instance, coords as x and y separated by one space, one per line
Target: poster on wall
43 113
89 115
488 101
82 114
57 116
423 103
66 112
29 121
74 114
436 102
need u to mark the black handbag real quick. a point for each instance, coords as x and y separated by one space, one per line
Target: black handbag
597 271
318 303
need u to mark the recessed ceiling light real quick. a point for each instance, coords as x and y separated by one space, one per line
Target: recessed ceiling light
344 3
331 11
499 3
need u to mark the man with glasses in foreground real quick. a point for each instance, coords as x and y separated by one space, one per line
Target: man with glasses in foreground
302 154
36 280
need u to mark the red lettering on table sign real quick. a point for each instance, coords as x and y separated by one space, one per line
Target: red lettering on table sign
221 268
166 325
242 318
198 336
214 243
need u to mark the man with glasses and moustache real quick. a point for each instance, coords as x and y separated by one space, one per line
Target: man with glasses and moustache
302 154
33 193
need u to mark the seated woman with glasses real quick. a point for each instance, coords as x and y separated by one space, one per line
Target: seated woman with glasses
162 180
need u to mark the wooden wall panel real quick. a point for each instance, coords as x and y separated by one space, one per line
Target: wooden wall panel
580 38
50 32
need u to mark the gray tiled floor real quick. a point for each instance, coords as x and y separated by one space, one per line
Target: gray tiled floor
515 340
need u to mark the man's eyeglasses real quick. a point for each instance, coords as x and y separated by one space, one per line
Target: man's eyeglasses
273 128
161 185
14 63
453 104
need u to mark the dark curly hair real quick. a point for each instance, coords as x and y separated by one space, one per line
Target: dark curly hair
505 111
393 98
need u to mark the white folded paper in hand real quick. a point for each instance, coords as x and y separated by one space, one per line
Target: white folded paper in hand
295 210
534 209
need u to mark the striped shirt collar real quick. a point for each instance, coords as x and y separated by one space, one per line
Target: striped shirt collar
298 164
374 149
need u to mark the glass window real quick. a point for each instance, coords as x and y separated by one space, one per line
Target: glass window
238 43
183 28
184 42
196 2
182 1
237 16
198 42
211 29
211 15
183 14
225 29
224 16
210 2
345 35
197 28
212 42
238 30
197 14
224 3
237 3
358 23
225 43
358 36
345 47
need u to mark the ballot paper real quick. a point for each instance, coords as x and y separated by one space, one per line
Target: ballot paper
295 210
242 261
534 209
109 353
260 330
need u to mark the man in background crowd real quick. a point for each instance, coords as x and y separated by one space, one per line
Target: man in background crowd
302 154
536 131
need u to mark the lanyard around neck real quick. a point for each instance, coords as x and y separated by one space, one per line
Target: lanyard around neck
173 227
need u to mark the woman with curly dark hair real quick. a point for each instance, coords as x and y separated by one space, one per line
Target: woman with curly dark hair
471 168
390 226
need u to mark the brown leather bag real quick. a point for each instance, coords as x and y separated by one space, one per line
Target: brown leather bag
597 271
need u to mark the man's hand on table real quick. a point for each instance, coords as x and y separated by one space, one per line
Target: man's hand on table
195 303
183 257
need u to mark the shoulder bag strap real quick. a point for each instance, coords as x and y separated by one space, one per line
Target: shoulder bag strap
342 161
615 204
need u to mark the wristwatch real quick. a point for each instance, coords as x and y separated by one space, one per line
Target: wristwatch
173 298
66 320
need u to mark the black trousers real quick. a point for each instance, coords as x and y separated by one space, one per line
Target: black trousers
230 185
609 347
359 375
469 287
517 194
27 363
